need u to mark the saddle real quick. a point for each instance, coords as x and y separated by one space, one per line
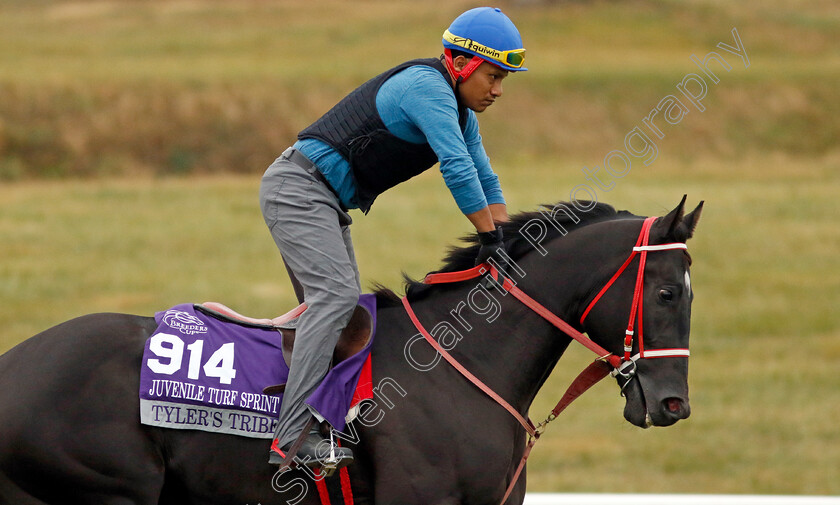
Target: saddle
353 339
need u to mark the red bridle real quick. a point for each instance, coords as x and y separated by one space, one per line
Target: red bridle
641 248
596 370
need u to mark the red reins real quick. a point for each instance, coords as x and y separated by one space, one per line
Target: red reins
588 378
603 365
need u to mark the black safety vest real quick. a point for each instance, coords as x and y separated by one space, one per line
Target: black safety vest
379 160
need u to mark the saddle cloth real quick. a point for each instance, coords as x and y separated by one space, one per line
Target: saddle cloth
208 373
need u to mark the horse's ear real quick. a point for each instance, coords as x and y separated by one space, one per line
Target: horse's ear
680 228
673 219
685 230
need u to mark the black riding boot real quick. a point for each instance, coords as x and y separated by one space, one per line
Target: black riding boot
313 451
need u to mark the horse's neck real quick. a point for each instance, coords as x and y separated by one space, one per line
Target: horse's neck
498 338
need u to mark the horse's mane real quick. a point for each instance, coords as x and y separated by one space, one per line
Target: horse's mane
555 217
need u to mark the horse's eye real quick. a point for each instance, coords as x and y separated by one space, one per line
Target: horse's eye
666 295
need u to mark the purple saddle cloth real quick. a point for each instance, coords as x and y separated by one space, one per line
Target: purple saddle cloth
200 372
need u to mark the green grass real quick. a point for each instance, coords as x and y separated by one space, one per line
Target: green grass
165 101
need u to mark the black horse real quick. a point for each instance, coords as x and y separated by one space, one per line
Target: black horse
69 413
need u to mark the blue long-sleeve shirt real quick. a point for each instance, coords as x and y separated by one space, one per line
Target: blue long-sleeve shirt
417 105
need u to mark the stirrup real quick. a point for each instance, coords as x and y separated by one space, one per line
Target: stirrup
290 459
333 463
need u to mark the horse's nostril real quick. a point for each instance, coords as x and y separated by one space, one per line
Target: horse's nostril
675 407
673 404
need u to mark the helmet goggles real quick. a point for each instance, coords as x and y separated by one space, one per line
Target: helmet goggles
513 58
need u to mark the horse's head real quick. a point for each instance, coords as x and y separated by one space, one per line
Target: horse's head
597 271
645 318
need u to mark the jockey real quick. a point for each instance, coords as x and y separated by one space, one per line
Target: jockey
388 130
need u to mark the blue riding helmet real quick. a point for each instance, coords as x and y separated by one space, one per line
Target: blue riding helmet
487 33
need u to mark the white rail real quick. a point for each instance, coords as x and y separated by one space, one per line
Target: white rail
675 499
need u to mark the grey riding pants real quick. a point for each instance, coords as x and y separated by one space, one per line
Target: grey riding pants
312 232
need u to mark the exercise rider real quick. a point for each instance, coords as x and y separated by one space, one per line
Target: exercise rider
388 130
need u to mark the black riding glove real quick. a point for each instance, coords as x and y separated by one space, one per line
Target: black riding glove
493 247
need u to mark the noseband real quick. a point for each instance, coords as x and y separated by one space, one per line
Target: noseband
606 363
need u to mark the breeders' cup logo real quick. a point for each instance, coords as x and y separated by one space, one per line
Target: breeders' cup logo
184 322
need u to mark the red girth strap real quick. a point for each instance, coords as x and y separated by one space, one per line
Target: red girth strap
344 483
